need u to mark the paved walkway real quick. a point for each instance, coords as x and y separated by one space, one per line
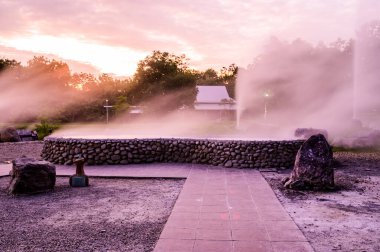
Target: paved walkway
218 209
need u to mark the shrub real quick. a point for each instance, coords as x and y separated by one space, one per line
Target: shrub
45 128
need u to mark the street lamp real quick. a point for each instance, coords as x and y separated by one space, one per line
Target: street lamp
107 107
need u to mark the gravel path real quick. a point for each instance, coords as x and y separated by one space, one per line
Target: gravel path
110 215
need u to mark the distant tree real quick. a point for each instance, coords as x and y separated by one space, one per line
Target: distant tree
228 76
162 74
8 63
48 74
210 74
208 77
84 81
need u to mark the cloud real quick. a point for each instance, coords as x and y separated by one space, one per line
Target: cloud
24 56
212 33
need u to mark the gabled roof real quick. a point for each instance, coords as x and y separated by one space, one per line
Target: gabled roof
212 94
213 98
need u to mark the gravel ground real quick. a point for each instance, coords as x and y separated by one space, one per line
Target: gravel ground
10 151
347 219
110 215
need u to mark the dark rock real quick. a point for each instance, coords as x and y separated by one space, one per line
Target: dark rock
313 169
9 135
31 176
228 163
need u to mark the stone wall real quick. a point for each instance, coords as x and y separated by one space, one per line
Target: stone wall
227 153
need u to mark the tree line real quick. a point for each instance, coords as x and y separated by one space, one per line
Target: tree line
162 82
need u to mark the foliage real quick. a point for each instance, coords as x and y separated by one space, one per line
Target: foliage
49 72
8 63
121 105
45 128
161 75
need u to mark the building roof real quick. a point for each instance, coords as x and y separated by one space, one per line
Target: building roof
212 94
213 98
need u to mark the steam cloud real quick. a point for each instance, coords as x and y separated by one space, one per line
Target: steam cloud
28 98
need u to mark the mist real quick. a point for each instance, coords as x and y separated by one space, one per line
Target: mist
296 85
300 85
26 98
176 124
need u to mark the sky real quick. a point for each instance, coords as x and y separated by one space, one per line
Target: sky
112 36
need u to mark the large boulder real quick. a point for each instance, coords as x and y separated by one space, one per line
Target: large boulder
9 134
31 176
313 168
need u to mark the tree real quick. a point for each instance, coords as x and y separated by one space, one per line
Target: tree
7 63
162 74
208 77
50 71
228 76
83 81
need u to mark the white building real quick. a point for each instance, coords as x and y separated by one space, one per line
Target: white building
214 100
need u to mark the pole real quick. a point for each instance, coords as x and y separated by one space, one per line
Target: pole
107 110
107 107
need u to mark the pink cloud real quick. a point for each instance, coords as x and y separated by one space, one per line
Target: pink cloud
24 56
220 32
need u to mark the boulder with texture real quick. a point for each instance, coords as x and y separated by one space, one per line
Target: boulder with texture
9 135
29 176
313 168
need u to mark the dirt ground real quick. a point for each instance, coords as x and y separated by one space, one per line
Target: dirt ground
347 219
110 215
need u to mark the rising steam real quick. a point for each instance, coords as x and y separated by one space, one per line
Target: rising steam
27 98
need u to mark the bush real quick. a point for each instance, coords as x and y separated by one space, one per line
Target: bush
45 128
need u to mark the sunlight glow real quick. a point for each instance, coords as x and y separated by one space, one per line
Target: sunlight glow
120 61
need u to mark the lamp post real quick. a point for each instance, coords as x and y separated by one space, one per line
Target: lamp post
107 107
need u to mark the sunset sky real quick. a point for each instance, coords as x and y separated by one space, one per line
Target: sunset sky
111 36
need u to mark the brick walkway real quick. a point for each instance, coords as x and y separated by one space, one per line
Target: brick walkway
218 209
